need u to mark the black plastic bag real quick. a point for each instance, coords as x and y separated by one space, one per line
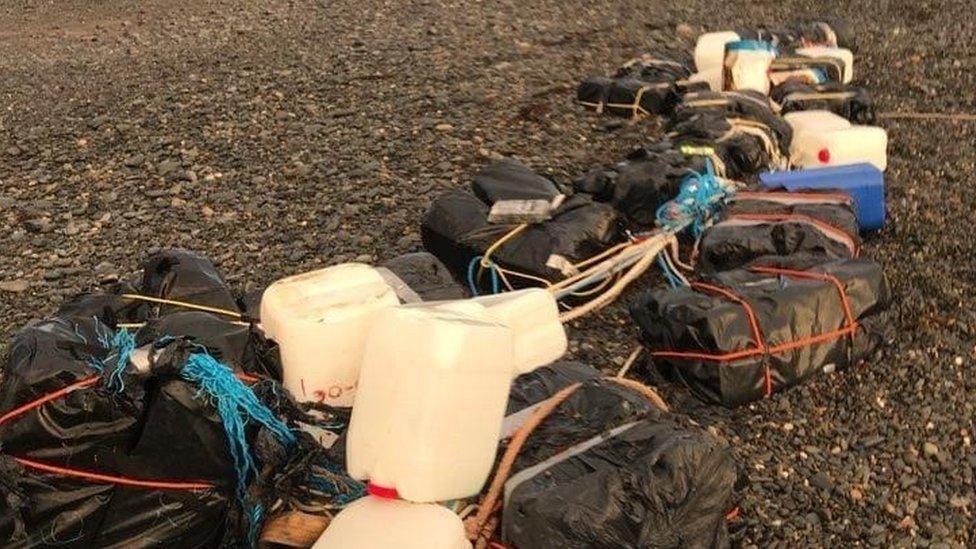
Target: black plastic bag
747 104
638 186
456 230
799 230
851 102
508 179
163 444
641 87
740 148
425 276
607 469
744 334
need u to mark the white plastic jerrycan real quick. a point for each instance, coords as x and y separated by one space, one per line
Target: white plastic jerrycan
843 54
378 523
431 399
533 316
822 138
320 321
710 50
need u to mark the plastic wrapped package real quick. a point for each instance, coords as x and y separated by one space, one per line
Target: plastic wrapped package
777 228
743 334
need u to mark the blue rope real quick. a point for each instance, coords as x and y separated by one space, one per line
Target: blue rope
235 403
255 518
471 266
495 280
672 280
696 203
113 366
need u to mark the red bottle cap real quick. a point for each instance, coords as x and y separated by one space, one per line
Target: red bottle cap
381 491
823 156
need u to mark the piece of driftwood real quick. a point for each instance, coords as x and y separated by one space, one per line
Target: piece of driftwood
293 529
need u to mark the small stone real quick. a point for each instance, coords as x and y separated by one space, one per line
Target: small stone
959 502
53 274
14 286
856 494
39 225
822 481
167 167
930 449
443 127
134 161
207 211
685 30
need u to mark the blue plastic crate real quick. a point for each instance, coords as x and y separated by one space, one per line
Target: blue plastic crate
864 182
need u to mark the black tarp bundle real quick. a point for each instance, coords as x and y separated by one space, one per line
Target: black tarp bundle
425 276
608 470
641 87
641 183
745 334
851 102
456 227
739 104
830 69
780 228
740 147
99 452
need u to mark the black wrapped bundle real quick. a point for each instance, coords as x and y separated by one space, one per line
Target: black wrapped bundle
456 230
638 186
740 148
741 104
799 230
607 469
745 334
641 87
851 102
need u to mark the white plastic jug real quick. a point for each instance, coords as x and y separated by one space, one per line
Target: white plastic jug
320 321
822 138
747 65
710 50
840 147
533 316
431 397
844 54
377 523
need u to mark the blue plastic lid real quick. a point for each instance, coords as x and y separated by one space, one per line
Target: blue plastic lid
753 45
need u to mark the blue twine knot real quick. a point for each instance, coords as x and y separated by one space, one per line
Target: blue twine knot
699 198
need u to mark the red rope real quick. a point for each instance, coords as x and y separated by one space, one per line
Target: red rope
17 412
849 329
112 479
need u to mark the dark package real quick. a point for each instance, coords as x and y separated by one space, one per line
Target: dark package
639 185
740 148
607 469
830 68
851 102
456 230
640 87
626 97
162 446
425 276
747 333
745 104
799 230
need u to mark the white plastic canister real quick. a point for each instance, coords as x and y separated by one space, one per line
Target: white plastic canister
822 138
533 316
320 321
843 54
377 523
710 50
852 145
747 65
431 398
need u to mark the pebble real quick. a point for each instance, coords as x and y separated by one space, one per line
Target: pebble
930 449
444 127
14 286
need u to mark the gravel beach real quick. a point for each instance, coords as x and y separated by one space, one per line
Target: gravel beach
283 136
